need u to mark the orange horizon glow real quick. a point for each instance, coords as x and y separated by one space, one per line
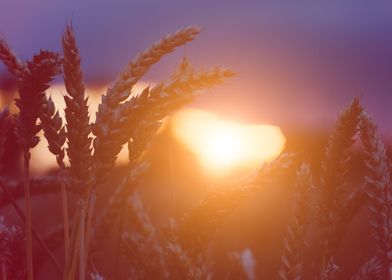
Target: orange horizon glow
221 145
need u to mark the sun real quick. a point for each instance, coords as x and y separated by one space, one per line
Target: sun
221 145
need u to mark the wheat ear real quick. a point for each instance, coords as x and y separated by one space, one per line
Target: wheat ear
294 242
203 220
55 134
154 104
76 112
333 186
134 116
33 78
10 60
372 269
121 88
379 189
78 134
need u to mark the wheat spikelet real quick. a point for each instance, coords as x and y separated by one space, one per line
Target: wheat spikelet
121 88
335 164
186 266
329 271
334 168
153 103
370 270
184 68
115 203
34 82
350 207
76 112
202 221
33 79
294 242
8 57
114 208
246 261
109 140
379 189
54 130
145 243
96 276
79 143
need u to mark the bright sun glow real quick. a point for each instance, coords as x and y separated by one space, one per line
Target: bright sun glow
222 145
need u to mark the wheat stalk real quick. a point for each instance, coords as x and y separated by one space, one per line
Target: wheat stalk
78 134
115 203
294 242
333 186
106 145
54 131
34 231
76 113
159 102
15 66
379 189
155 103
202 221
372 269
121 88
33 78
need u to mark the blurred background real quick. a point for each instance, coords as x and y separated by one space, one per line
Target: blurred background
297 63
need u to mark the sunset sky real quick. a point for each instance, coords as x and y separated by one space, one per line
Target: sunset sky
297 64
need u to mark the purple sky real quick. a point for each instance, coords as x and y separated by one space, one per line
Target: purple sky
298 63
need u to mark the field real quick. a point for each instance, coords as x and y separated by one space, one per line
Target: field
299 215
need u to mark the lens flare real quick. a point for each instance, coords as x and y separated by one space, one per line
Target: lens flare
223 145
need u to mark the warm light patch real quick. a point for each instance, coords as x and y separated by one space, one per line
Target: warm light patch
222 145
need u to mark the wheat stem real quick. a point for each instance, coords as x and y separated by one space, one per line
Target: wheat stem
90 214
27 199
73 253
3 270
118 242
294 242
34 231
82 240
64 202
76 248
